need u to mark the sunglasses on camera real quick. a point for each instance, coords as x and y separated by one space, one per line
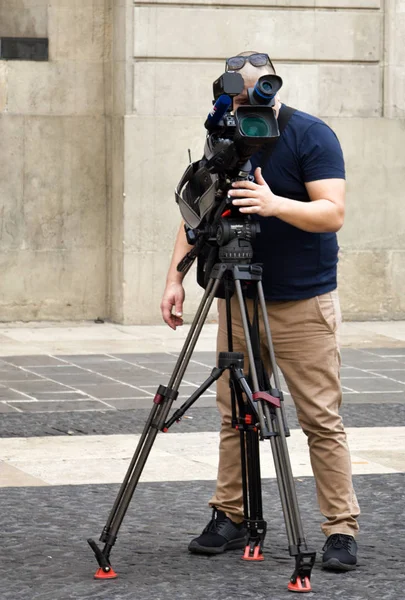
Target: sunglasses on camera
235 63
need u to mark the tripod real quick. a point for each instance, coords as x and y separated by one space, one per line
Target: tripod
257 412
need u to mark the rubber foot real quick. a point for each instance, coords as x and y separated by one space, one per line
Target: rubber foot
101 574
301 585
257 555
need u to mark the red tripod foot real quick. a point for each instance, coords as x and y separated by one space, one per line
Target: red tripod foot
253 553
300 579
301 585
101 574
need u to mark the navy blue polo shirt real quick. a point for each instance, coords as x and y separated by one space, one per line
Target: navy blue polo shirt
298 264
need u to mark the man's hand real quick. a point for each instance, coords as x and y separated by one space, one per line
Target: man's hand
173 297
255 197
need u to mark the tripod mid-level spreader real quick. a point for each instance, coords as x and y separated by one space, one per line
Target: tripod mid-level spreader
258 413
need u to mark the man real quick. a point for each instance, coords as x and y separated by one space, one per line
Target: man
298 196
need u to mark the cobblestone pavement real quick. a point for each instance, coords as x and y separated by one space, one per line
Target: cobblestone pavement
45 555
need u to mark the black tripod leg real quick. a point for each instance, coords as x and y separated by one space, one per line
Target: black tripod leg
305 558
268 411
163 401
250 414
256 525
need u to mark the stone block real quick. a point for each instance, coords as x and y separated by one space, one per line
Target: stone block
348 3
3 86
52 285
160 88
78 3
41 88
156 149
11 183
397 278
23 18
174 89
77 32
118 197
55 88
122 32
89 88
144 283
394 100
115 225
272 3
123 87
300 86
328 90
116 288
364 284
301 35
395 26
395 93
64 183
350 90
373 150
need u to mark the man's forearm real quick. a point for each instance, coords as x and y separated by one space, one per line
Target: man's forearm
181 247
318 216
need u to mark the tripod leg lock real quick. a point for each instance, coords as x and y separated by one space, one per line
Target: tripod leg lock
272 400
300 579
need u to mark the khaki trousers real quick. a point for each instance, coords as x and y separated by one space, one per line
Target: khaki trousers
305 339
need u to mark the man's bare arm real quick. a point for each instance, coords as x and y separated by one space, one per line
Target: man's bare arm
171 305
181 247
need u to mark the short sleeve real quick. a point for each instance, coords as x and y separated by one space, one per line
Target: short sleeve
321 155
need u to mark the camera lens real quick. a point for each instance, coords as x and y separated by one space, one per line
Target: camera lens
254 126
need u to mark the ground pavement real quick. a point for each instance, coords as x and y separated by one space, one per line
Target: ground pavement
73 401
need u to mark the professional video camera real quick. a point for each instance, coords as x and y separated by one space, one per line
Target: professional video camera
202 193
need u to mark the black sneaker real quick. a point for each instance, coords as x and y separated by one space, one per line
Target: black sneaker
340 553
220 534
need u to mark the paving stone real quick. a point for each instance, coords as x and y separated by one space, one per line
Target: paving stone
11 394
379 384
78 379
5 408
86 359
56 370
155 358
42 385
66 406
65 395
32 360
10 376
373 398
112 390
393 352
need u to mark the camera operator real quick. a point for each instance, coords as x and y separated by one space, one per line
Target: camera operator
298 197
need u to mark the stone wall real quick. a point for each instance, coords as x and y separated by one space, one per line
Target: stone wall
53 170
97 139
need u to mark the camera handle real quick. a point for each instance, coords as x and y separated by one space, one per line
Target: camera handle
260 414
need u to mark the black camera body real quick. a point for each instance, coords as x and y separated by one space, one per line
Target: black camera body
216 228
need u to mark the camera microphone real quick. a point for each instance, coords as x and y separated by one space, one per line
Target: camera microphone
218 110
